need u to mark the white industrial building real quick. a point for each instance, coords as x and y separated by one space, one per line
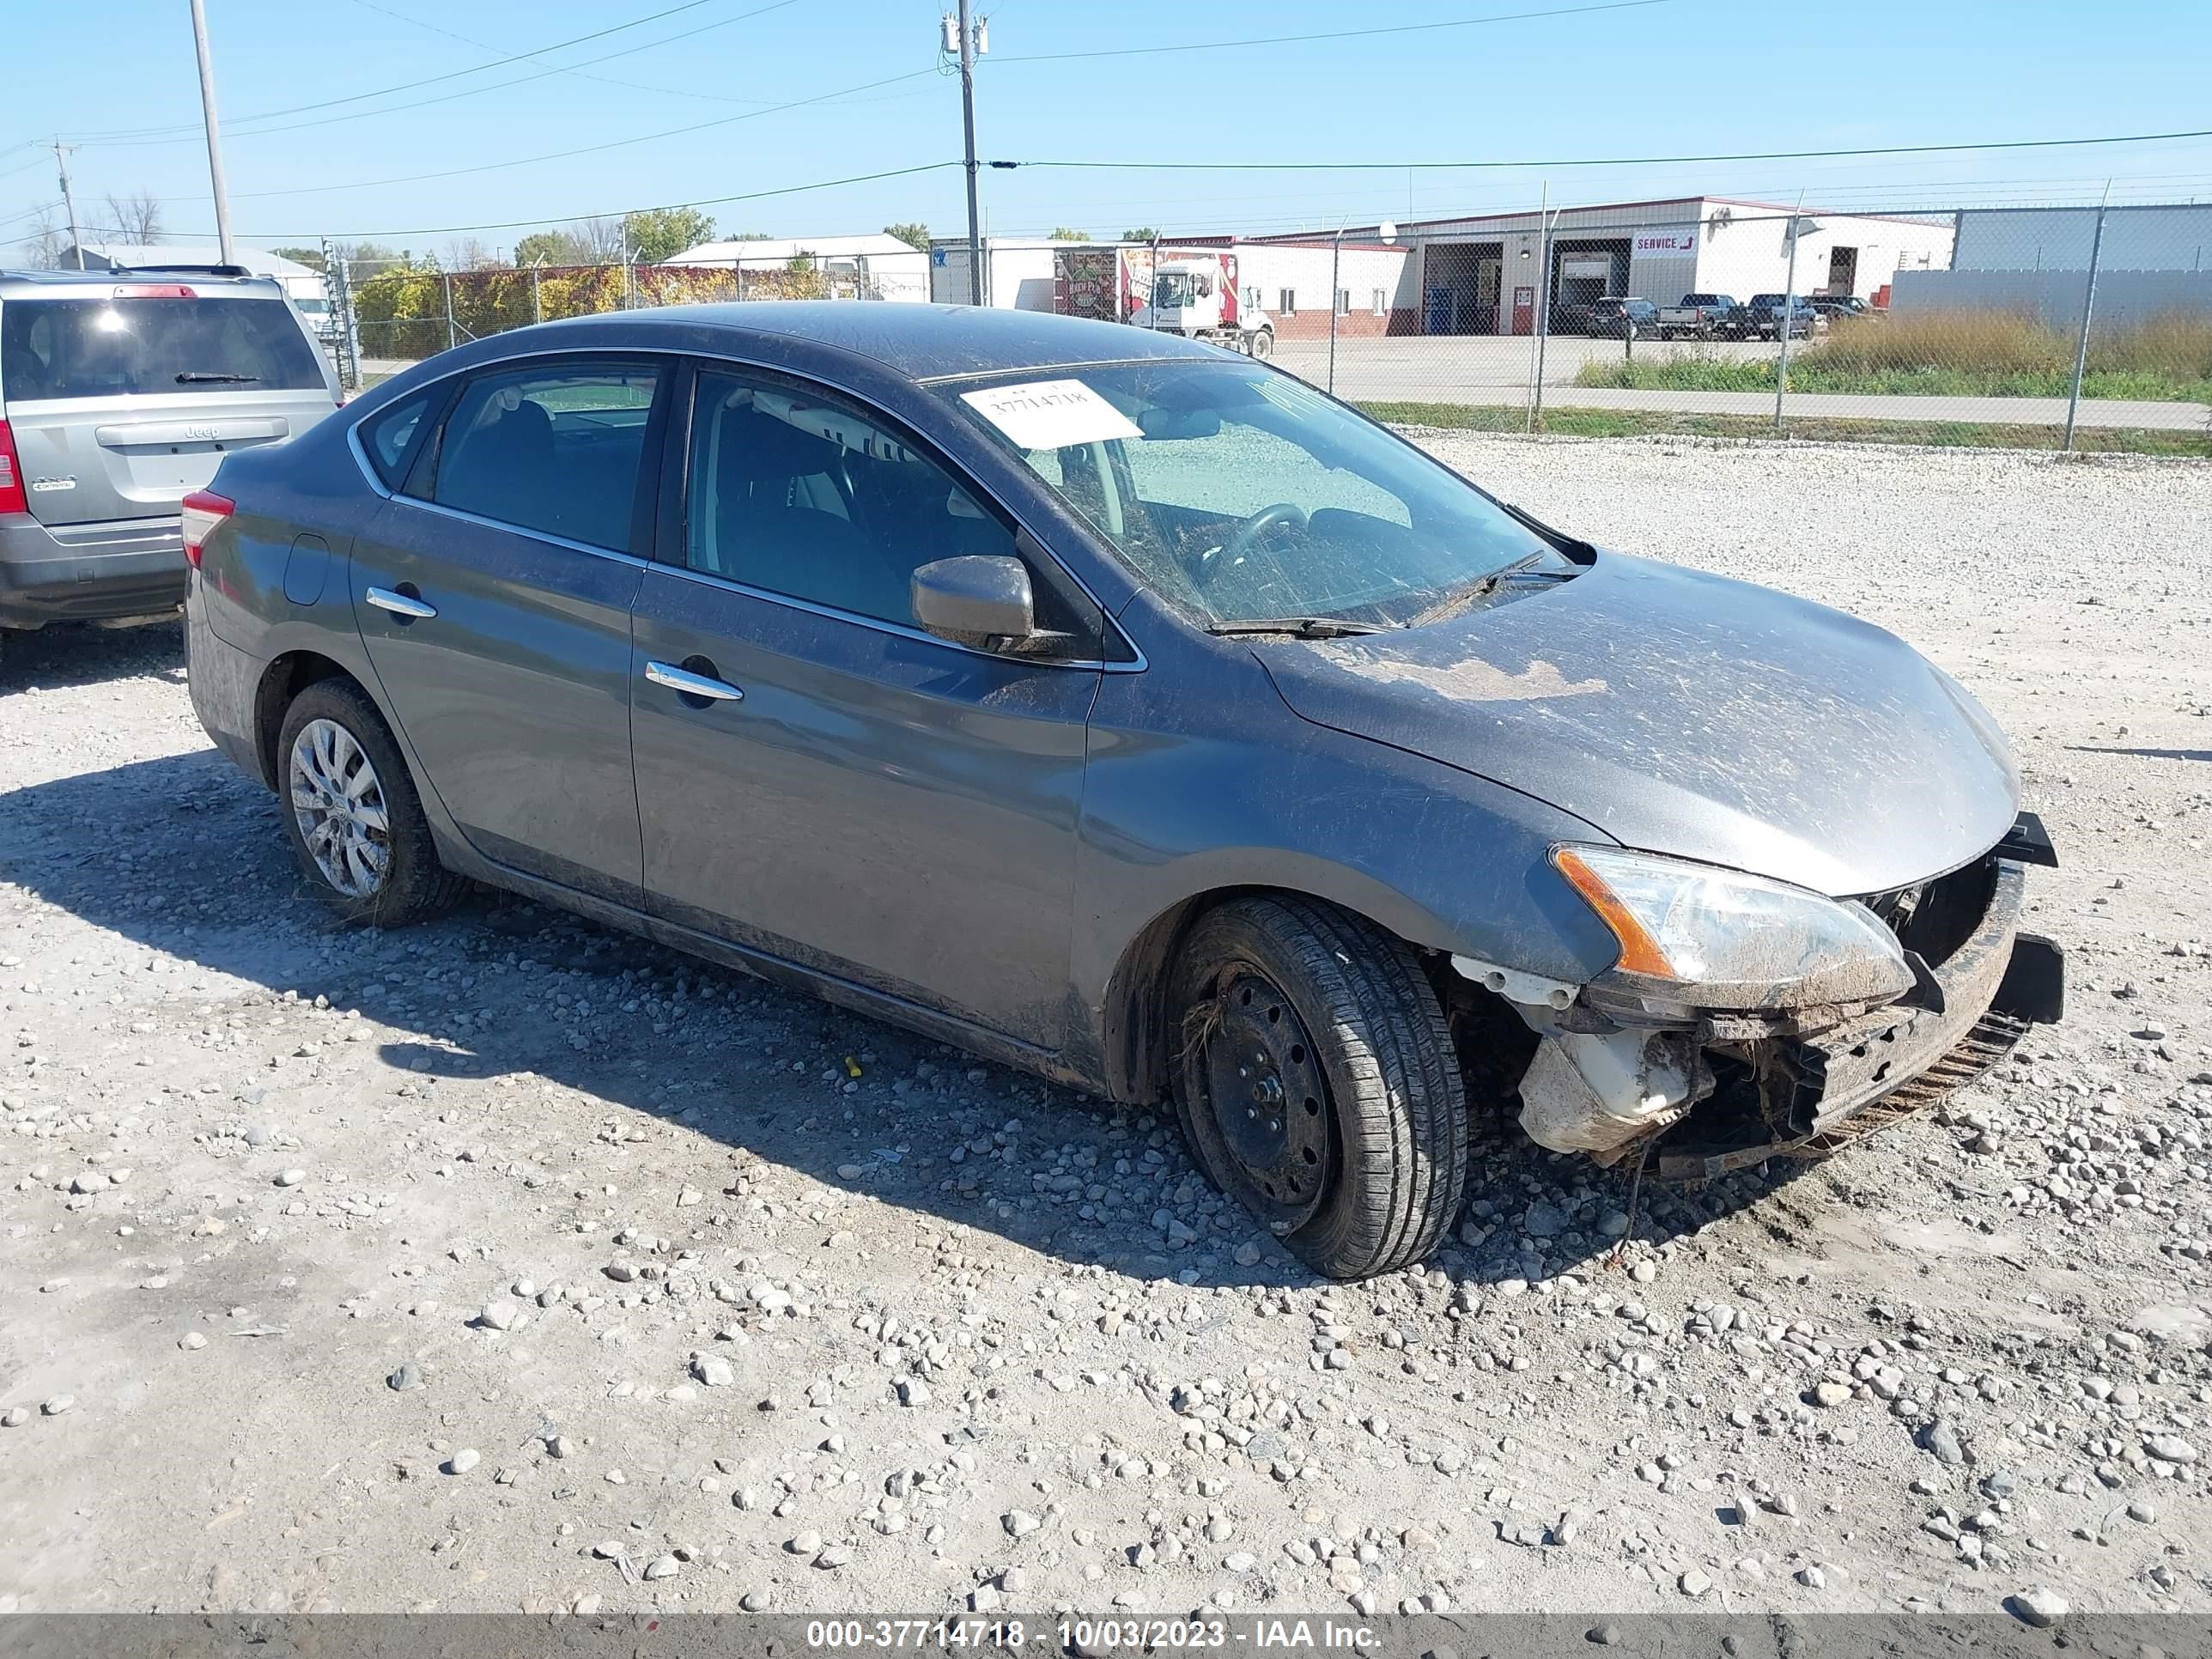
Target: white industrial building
1288 278
1484 274
871 266
2151 260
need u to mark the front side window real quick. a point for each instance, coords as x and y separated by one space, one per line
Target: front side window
555 450
1242 495
136 345
797 494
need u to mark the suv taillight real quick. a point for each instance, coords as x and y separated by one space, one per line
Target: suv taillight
204 511
12 496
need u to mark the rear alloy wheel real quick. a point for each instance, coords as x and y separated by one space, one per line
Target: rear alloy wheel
352 815
1317 1083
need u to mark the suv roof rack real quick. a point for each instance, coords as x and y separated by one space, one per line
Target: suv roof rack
165 269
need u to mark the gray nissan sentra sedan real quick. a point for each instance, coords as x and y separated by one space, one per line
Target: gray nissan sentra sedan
1129 712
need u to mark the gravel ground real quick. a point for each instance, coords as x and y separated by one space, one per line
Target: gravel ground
508 1263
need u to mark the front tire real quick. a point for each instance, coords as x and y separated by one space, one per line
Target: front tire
1263 344
1317 1083
352 814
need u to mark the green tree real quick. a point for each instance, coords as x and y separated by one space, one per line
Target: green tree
914 234
657 233
1062 233
553 248
1142 234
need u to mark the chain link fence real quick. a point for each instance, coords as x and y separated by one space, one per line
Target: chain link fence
389 315
2080 327
2076 328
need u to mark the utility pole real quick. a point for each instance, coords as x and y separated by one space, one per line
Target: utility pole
214 130
69 198
971 41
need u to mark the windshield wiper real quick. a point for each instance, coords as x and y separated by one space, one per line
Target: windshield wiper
1300 628
1452 604
193 376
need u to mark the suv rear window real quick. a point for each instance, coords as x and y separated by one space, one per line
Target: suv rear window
112 348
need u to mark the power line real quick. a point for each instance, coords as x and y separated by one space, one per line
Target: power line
587 150
604 80
549 219
1331 34
122 136
1597 161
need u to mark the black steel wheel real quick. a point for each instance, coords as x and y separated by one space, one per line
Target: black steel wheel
1316 1082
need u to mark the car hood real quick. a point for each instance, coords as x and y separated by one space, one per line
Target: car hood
1690 714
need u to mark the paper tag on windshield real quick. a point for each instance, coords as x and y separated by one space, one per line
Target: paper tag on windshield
1051 414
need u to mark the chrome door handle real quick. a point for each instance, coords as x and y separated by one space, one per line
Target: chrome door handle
691 685
400 605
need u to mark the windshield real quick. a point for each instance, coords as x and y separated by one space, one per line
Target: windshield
1242 495
107 348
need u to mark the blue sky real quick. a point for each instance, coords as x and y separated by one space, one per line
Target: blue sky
1677 76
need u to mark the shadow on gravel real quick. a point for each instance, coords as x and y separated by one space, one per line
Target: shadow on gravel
78 653
506 987
2143 754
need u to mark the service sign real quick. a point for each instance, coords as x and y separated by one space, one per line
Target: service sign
1669 241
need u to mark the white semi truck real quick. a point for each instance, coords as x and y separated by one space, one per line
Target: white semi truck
1192 292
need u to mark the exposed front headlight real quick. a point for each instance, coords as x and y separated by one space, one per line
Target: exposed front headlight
1707 938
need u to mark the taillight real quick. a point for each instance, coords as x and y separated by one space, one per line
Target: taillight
204 511
12 498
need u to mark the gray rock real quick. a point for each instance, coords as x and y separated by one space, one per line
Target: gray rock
1941 1442
2169 1449
1019 1523
58 1404
2040 1607
463 1461
1831 1394
714 1370
1543 1220
407 1376
499 1313
14 1417
661 1566
291 1178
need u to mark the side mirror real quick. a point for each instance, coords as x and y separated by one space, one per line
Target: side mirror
982 600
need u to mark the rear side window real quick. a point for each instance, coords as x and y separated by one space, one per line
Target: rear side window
554 450
393 436
130 347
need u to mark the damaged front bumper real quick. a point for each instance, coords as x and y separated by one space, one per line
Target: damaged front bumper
1732 1090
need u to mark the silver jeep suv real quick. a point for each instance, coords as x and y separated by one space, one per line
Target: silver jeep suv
121 393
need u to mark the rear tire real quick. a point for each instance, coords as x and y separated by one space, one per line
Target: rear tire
352 813
1317 1083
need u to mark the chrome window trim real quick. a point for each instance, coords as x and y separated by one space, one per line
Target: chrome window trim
466 517
897 630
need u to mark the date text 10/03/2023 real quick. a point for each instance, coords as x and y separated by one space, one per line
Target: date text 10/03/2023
1086 1635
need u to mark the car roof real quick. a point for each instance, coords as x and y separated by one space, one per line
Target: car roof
57 284
922 341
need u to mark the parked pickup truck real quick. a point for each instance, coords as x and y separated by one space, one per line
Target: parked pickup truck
1760 319
1699 315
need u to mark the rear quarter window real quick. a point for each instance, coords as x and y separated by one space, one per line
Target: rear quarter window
110 348
392 437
